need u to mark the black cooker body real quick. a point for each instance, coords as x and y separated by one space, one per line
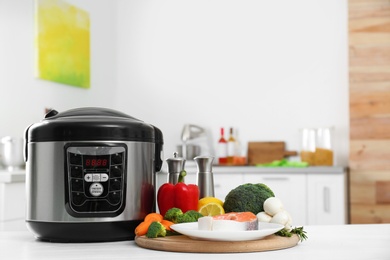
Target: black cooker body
90 174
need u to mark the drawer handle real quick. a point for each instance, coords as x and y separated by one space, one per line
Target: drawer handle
276 178
326 193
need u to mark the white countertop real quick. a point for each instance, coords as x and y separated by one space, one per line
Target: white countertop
368 242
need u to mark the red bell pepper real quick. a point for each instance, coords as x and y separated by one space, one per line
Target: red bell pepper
179 195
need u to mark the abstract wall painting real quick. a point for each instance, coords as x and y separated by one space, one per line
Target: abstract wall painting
62 43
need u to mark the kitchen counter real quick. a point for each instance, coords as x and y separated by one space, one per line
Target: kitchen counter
257 169
355 242
191 167
12 194
12 176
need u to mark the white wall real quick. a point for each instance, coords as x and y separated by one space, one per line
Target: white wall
24 97
267 68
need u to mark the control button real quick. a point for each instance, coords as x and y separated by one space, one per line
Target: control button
116 158
104 177
78 198
116 171
75 158
96 177
100 206
88 177
76 172
115 184
96 189
114 197
77 185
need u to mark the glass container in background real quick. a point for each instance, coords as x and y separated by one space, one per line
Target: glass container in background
308 145
11 153
222 148
324 147
231 147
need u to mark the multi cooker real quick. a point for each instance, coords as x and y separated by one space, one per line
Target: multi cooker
90 174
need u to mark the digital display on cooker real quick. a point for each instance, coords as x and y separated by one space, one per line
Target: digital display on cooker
96 161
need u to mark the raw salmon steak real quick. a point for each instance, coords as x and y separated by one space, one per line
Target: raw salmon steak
233 221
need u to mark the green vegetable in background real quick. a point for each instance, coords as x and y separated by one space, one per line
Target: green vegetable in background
247 197
283 163
156 229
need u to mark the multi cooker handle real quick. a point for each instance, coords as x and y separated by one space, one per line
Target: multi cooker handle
25 151
158 154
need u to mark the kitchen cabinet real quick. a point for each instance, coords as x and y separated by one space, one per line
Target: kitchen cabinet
225 182
12 195
312 195
326 200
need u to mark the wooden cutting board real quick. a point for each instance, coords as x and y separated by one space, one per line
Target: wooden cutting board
182 243
266 152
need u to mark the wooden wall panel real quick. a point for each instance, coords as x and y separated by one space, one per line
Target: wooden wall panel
371 101
364 182
369 213
369 78
368 154
369 128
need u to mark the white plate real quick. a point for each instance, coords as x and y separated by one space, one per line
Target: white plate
191 230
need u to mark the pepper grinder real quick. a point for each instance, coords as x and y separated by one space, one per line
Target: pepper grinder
175 166
204 176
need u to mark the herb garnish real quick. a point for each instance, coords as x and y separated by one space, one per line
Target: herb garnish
298 231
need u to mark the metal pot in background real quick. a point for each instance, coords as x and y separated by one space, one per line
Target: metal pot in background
191 152
11 151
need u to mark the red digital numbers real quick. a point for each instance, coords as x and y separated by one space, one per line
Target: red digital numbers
96 162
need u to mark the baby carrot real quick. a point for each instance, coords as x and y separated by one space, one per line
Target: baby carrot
153 217
167 224
142 228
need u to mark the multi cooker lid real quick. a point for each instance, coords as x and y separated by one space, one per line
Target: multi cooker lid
92 123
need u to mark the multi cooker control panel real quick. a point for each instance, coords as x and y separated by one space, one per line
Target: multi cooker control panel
95 180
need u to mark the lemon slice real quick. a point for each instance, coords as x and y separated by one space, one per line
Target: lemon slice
211 209
207 200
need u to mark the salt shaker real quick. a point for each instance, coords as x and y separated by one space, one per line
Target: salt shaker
204 176
175 166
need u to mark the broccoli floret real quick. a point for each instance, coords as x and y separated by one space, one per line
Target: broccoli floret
189 216
156 229
172 214
247 197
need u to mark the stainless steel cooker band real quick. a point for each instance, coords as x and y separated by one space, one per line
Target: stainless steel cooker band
45 181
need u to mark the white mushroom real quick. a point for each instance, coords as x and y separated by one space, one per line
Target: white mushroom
283 218
272 206
263 217
280 218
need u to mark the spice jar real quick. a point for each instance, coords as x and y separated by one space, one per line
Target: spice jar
175 166
204 176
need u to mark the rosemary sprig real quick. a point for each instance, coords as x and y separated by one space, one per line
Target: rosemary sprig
297 230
